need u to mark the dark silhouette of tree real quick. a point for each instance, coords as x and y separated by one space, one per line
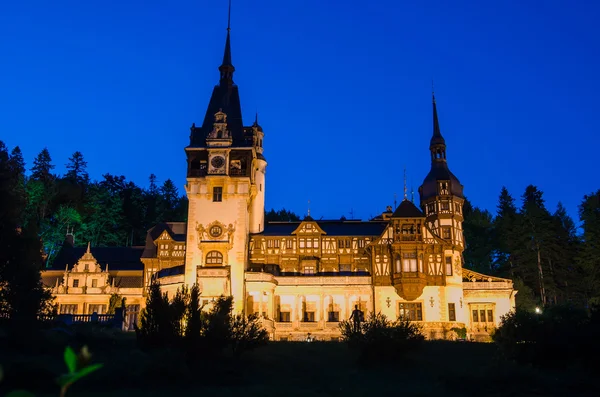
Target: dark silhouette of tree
77 169
477 229
22 296
282 215
589 253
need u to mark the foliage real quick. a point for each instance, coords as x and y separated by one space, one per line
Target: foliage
380 340
155 319
78 366
282 215
557 337
247 333
461 333
181 322
114 302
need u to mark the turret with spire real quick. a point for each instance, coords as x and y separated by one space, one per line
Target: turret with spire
441 192
225 98
227 67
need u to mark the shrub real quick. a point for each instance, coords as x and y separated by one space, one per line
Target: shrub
554 338
182 323
379 339
247 333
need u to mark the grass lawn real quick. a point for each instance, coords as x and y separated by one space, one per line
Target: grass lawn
293 369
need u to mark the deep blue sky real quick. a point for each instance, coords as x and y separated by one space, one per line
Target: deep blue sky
343 92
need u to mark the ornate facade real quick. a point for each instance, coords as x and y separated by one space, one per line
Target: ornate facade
304 277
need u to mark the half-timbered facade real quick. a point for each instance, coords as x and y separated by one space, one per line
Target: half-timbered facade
303 277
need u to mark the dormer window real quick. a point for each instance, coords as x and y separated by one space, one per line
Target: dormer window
430 208
444 189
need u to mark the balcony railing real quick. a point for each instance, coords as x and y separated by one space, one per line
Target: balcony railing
237 172
487 285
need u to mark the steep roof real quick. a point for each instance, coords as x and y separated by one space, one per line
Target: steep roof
177 231
407 209
117 258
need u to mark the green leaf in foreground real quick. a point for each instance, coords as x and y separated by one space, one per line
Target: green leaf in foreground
70 359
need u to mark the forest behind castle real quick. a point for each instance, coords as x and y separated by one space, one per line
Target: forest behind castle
551 258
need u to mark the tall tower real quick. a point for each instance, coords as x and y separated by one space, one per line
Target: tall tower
226 189
442 201
441 192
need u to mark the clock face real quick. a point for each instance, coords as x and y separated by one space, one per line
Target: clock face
216 231
217 162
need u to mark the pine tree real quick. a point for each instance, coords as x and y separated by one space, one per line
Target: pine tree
504 233
42 168
536 238
562 255
22 296
77 169
477 229
589 253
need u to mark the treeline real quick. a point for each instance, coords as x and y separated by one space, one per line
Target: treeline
110 212
549 261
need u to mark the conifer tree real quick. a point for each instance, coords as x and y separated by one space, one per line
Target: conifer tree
77 169
42 168
477 230
589 254
505 229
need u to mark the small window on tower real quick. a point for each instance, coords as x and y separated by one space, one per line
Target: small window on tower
218 193
446 233
430 208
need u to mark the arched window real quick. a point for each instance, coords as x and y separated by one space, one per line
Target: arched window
214 258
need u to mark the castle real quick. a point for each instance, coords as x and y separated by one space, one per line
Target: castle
299 277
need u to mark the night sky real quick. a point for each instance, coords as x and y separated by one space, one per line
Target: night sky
343 92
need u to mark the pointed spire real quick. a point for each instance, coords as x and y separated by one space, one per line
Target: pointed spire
437 145
88 251
436 123
226 67
405 195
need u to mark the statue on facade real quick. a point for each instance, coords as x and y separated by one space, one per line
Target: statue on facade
356 317
200 229
230 231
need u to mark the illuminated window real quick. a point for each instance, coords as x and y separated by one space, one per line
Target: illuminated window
75 283
217 194
410 311
214 258
446 233
98 309
448 266
430 208
333 317
276 243
289 244
285 317
451 312
409 262
361 243
445 206
68 309
309 270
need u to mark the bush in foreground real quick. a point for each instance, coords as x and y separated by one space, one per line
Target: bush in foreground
557 337
379 340
181 322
